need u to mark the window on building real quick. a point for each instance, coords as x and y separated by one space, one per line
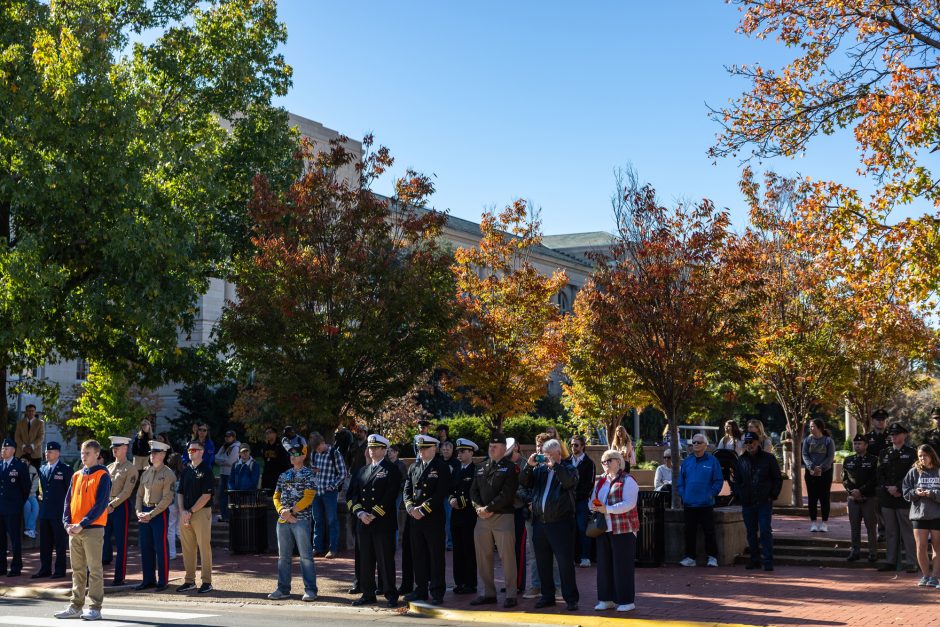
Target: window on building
563 303
81 370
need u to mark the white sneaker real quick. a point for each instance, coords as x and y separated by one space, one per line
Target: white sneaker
69 612
585 563
309 597
627 607
814 528
91 615
604 605
823 527
687 561
713 562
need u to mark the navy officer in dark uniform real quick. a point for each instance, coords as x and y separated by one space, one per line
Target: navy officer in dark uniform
372 498
463 518
55 476
426 486
14 490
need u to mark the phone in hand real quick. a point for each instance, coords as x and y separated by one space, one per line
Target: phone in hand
539 458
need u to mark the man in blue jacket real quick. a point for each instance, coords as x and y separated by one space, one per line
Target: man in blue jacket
699 482
55 477
245 472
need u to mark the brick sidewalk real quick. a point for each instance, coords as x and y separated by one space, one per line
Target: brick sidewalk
788 596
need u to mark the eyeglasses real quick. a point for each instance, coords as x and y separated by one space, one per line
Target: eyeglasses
194 450
607 461
296 453
202 429
697 442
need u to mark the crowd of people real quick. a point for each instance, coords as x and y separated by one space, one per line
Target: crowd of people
542 516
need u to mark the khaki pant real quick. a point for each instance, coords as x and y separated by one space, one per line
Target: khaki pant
499 529
87 571
198 535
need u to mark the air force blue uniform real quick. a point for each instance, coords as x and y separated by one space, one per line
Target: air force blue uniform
54 481
14 490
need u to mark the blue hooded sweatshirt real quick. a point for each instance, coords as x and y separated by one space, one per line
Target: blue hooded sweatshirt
700 480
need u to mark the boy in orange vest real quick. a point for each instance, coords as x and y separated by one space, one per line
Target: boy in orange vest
85 517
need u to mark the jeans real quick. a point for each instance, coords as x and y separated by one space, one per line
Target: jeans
288 536
447 511
324 514
583 544
172 528
757 517
31 512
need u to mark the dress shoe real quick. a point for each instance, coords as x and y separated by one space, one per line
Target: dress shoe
872 558
392 603
14 573
436 602
768 566
57 576
3 573
853 556
544 603
571 607
484 601
364 601
39 574
511 602
117 583
887 568
403 590
752 566
161 587
465 590
146 585
414 596
354 590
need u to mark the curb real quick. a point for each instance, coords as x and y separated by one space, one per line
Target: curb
572 620
27 592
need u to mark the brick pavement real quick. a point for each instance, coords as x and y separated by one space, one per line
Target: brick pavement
788 596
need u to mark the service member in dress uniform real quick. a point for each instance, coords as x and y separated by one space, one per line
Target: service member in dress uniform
372 498
123 480
154 495
893 465
55 476
463 518
860 480
426 486
14 490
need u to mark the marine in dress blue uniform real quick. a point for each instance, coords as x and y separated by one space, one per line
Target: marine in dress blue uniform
54 480
14 490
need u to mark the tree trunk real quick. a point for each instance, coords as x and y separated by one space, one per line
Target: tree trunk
672 421
797 465
4 404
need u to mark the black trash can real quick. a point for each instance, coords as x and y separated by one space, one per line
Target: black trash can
650 541
248 525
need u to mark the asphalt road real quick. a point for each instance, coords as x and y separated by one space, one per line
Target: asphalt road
137 612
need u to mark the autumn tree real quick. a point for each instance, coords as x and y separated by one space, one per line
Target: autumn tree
509 336
597 392
869 67
799 315
666 305
121 188
345 299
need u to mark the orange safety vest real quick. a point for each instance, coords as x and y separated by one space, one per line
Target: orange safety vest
84 491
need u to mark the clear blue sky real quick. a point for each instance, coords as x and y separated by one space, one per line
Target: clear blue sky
537 100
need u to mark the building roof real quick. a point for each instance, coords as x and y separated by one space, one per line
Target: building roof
579 240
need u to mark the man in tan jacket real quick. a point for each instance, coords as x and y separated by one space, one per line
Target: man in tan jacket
29 435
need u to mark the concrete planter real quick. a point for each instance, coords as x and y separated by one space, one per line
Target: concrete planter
730 534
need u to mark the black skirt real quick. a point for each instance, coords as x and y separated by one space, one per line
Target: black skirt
930 523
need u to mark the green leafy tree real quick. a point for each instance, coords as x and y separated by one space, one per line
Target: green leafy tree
125 168
345 300
109 404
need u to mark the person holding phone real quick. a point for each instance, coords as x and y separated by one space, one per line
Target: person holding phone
921 488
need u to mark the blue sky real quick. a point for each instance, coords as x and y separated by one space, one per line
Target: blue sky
537 100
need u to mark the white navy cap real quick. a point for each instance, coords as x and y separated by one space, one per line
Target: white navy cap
119 440
377 440
424 441
510 443
465 444
156 447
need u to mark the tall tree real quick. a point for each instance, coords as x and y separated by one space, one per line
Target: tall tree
121 188
800 317
598 392
509 338
345 299
866 66
108 404
666 306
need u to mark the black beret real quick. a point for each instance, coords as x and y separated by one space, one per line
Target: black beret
498 438
859 438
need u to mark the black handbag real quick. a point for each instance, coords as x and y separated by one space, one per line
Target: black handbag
597 525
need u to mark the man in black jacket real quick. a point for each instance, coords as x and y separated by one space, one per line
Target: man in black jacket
554 483
859 478
492 494
757 483
463 519
582 496
426 486
894 463
372 498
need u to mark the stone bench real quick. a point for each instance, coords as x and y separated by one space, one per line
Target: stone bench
729 533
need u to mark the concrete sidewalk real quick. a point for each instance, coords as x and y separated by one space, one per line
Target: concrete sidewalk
726 595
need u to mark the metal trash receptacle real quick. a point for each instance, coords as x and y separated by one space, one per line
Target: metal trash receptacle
650 541
248 525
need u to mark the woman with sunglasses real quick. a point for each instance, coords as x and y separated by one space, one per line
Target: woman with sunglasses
201 435
615 496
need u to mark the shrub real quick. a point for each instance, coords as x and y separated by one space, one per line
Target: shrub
640 455
524 427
